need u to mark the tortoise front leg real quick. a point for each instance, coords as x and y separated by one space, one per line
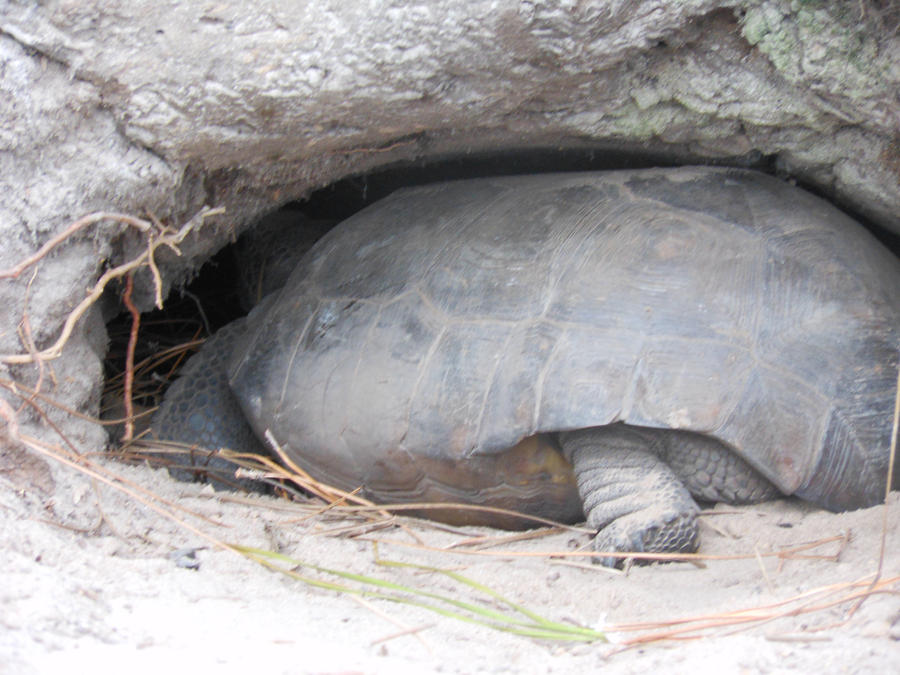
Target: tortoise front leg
634 500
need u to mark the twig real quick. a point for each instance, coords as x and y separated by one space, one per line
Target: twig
589 567
103 517
404 629
12 420
34 394
80 224
413 630
499 540
671 557
443 506
26 338
81 462
762 568
887 494
129 357
754 615
166 238
327 492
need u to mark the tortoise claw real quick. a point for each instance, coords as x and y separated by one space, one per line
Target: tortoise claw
673 533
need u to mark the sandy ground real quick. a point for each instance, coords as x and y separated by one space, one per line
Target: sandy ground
90 584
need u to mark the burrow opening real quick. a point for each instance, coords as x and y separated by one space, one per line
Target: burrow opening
215 296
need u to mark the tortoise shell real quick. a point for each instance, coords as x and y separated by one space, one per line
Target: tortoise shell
423 338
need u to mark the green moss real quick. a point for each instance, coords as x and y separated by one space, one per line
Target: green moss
810 37
647 124
754 27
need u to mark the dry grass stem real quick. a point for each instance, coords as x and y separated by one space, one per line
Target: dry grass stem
805 603
404 629
590 567
500 540
650 557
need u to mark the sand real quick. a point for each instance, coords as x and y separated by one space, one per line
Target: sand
94 581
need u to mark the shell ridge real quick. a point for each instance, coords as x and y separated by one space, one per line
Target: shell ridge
490 382
360 352
423 370
298 341
456 236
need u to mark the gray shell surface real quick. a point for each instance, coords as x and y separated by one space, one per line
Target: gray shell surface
447 322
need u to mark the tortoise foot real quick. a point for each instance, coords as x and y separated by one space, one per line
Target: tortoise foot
644 533
631 496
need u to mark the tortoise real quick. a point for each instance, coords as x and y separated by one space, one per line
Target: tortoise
608 345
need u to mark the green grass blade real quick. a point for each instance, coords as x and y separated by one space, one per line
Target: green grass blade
533 625
487 590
